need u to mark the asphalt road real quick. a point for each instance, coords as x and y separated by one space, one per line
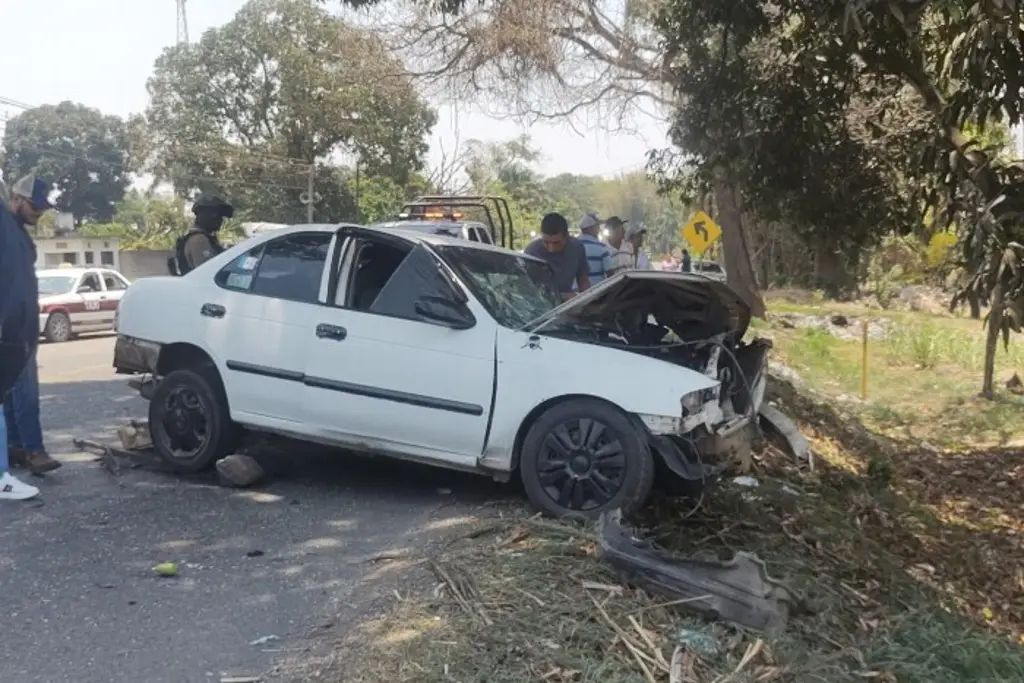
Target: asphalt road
80 601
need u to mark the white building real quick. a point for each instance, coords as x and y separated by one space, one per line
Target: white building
78 251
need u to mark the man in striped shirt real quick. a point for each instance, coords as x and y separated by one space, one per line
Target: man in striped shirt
599 258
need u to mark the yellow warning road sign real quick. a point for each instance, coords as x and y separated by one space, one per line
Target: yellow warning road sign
701 232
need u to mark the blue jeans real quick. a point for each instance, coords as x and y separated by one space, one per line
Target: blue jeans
21 410
4 462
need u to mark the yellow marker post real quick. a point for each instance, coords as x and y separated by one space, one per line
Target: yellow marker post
864 359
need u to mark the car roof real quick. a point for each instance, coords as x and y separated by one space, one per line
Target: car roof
398 224
69 272
414 236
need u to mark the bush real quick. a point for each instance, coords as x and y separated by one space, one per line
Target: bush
939 255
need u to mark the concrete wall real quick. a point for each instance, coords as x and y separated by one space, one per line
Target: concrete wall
145 263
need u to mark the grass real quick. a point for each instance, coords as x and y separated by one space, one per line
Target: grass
924 376
884 580
908 559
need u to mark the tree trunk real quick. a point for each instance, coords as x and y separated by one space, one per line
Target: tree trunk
975 304
739 266
995 324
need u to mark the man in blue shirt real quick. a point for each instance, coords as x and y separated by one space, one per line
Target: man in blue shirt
19 305
599 258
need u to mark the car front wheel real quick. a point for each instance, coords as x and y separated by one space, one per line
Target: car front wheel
58 328
189 420
584 457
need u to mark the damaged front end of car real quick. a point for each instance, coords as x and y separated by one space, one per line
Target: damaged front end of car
692 322
718 427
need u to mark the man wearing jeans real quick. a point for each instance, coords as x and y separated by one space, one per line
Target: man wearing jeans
19 307
24 431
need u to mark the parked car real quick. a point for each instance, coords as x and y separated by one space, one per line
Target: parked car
450 225
445 215
76 300
454 353
709 269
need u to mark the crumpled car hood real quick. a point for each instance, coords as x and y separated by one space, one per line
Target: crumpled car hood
692 306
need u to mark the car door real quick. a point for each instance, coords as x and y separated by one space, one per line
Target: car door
114 287
258 320
379 375
89 316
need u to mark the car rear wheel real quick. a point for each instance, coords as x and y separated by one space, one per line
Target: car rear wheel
189 420
584 457
58 328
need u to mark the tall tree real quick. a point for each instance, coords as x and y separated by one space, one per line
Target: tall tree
253 104
589 61
959 60
83 152
806 134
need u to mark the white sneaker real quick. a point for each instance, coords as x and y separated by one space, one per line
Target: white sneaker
12 488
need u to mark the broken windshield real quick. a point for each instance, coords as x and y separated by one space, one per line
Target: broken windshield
514 288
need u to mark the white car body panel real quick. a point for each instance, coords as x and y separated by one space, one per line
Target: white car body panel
329 391
533 372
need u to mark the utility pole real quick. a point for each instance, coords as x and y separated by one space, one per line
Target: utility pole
182 23
357 190
310 192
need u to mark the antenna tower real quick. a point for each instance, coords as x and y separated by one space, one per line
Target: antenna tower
182 23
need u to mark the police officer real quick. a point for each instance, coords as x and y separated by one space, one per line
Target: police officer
200 243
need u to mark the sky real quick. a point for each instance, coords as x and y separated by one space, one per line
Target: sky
100 52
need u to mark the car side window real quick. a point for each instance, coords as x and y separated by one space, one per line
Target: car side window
288 267
114 282
238 274
387 279
91 281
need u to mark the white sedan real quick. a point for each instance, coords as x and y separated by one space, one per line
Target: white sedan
76 300
448 352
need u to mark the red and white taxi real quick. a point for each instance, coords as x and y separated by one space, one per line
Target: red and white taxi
76 300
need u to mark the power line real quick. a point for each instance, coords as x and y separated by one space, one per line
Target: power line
223 147
13 102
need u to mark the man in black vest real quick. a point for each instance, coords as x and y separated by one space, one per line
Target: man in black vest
200 243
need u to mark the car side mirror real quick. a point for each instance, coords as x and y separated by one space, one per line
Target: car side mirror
85 289
437 309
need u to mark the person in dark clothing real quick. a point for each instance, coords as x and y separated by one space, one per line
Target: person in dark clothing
200 243
564 253
19 306
687 262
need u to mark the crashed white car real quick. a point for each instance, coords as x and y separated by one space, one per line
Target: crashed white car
453 353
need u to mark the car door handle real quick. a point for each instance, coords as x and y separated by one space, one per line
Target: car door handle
325 331
213 311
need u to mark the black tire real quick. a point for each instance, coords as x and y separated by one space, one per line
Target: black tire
58 328
605 458
189 420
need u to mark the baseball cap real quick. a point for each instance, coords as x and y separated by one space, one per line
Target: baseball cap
634 230
589 221
35 190
615 222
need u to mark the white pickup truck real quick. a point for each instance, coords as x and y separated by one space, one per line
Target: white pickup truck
448 352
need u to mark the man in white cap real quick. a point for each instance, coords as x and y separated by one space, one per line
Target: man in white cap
599 258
